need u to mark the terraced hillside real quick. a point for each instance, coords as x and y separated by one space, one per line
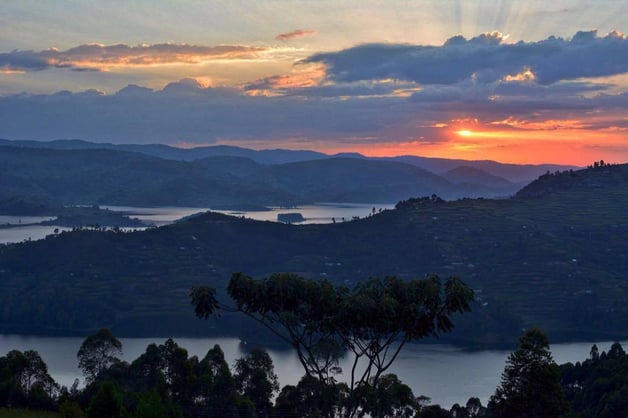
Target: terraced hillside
554 256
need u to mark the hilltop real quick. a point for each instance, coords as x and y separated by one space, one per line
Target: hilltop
554 260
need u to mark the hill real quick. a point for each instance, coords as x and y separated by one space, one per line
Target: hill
518 174
114 177
515 173
100 176
557 261
355 180
277 156
479 182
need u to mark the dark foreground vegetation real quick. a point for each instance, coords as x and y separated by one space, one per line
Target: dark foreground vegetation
165 382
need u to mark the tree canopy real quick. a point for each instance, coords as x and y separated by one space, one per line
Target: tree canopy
530 385
97 352
321 321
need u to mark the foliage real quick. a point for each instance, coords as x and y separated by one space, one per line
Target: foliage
598 386
373 321
107 403
311 398
473 408
165 383
530 385
255 379
98 352
25 382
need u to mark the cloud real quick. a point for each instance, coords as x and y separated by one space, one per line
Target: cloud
486 58
366 96
301 76
360 113
299 33
91 57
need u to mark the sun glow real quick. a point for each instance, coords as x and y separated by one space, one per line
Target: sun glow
464 132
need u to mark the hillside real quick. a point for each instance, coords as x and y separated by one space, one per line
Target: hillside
278 156
99 176
479 182
114 177
557 261
355 180
515 173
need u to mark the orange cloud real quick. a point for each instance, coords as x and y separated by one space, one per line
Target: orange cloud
525 75
98 56
299 33
9 71
301 76
544 125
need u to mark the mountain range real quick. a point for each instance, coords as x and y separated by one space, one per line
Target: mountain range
79 172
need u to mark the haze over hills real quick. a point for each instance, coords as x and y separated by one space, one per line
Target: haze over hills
515 173
96 176
88 176
553 257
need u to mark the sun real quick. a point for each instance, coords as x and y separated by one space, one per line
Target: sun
464 132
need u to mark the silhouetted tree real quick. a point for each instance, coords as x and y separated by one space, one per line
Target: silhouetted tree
107 403
98 352
255 378
530 385
374 320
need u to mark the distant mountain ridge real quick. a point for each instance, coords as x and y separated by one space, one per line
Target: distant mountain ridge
515 173
277 156
89 175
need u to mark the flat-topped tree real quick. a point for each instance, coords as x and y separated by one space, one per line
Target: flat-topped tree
374 320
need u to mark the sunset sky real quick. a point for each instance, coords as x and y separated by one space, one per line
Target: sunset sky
513 81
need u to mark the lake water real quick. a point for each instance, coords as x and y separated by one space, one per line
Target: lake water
20 220
318 213
24 233
445 373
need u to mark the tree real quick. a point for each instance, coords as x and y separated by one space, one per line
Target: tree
374 320
598 387
530 385
389 399
107 403
255 378
24 380
98 352
223 398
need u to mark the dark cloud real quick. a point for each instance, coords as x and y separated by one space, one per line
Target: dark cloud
185 111
486 57
23 61
90 57
299 33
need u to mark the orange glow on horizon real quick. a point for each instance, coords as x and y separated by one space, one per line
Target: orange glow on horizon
567 146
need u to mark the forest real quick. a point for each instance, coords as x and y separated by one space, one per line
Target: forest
164 382
371 321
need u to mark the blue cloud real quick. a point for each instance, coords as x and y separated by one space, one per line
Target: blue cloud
485 57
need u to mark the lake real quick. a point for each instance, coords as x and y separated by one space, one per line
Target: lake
318 213
445 373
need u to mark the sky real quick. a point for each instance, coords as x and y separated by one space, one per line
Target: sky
513 81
